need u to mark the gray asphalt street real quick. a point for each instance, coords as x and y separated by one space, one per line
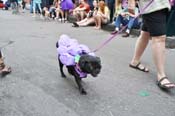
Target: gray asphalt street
35 87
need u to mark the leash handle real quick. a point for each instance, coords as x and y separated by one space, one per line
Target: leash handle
112 37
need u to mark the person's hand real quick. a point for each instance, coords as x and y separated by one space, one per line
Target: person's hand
122 14
131 11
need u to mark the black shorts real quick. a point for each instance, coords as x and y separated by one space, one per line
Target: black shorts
155 23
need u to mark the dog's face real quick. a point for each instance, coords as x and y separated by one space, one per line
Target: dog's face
90 64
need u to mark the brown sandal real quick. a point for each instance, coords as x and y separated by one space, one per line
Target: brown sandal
165 86
144 69
4 70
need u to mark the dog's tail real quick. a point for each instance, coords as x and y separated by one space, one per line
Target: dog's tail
57 45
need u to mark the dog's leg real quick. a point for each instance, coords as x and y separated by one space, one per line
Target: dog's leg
61 68
79 83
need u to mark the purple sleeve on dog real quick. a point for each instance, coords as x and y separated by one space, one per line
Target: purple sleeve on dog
69 48
67 59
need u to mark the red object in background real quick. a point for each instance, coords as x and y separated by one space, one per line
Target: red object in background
2 5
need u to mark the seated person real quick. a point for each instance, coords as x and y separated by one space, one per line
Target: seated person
102 16
2 5
3 68
45 12
52 11
58 10
89 19
126 18
81 11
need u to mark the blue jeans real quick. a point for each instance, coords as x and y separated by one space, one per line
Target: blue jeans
31 6
35 5
132 22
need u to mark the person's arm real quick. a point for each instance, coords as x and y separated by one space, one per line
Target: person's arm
106 13
136 11
80 8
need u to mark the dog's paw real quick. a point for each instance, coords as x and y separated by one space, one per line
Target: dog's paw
83 92
63 76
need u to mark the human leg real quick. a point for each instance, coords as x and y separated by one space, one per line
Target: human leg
140 47
87 22
158 48
82 15
34 9
155 24
39 7
131 22
76 15
118 22
98 21
3 68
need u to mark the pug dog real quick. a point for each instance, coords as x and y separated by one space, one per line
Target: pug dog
78 59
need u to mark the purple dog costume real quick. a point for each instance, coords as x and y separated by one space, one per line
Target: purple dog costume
68 49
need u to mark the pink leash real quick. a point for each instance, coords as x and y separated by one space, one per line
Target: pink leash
112 37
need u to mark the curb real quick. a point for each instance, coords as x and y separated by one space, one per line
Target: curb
108 27
170 42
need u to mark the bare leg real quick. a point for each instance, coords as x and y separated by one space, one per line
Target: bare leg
140 46
158 48
82 15
82 21
88 22
76 14
66 14
99 20
96 23
3 68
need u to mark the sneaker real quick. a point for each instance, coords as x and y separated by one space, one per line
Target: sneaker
125 34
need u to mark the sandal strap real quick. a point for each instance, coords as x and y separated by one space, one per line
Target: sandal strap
138 64
2 65
144 68
168 84
159 82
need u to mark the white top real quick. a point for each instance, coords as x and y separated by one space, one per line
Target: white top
155 6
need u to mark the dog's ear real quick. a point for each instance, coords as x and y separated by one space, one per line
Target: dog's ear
83 62
98 60
57 45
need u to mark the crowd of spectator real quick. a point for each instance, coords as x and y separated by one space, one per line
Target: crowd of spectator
85 12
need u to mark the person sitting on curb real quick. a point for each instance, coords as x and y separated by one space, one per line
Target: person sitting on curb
4 70
126 18
102 16
90 17
81 11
